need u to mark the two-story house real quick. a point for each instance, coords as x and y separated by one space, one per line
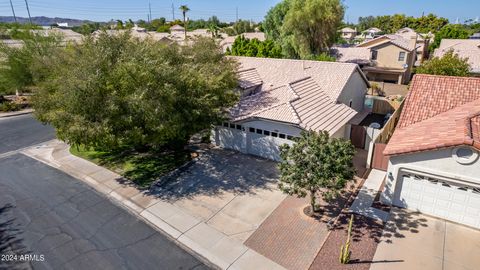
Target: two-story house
388 58
348 33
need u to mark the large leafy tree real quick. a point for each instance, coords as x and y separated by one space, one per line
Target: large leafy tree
117 91
19 66
255 48
316 164
304 28
449 65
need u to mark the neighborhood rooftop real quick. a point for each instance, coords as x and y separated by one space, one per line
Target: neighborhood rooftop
465 48
439 112
304 93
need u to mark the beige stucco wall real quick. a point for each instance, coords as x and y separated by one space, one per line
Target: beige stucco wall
354 90
436 164
388 56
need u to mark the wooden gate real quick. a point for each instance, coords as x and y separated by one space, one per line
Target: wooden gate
358 134
379 160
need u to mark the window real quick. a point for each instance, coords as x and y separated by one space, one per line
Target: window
274 134
259 131
282 136
289 137
225 124
465 155
239 127
251 129
374 55
401 56
266 133
232 125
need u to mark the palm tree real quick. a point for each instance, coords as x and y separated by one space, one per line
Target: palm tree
213 29
184 10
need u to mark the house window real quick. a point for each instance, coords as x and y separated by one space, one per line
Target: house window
259 131
251 129
374 55
274 134
239 127
266 133
225 124
282 136
232 125
401 56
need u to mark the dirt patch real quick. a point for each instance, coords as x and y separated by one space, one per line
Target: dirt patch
366 235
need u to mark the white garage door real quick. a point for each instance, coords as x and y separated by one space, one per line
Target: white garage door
231 137
264 143
458 203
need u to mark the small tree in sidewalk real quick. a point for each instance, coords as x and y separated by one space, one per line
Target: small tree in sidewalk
316 164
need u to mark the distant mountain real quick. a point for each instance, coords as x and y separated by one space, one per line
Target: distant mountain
44 21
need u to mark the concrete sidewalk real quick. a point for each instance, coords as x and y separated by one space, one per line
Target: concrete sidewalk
364 200
190 232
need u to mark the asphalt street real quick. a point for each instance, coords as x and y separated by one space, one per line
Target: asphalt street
49 220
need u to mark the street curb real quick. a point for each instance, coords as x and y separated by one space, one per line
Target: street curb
12 114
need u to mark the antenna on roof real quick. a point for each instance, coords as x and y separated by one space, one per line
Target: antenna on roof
13 11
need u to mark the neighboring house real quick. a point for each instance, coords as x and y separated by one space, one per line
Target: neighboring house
13 43
369 34
281 97
348 33
392 58
475 36
177 29
434 164
227 42
465 48
67 34
356 55
423 42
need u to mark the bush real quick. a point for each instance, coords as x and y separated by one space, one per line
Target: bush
9 106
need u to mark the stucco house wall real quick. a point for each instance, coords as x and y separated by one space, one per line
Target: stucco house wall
437 164
354 91
387 56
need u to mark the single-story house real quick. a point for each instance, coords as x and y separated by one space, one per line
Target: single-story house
465 48
434 164
282 97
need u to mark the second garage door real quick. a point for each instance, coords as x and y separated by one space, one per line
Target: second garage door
458 203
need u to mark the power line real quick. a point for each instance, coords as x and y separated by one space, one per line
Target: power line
28 10
13 11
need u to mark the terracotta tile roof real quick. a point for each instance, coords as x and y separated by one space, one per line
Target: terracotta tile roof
439 112
431 95
248 78
465 48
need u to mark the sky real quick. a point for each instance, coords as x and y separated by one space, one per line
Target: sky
226 10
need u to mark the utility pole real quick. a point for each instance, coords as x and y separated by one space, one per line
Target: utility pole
173 12
28 10
236 15
150 11
13 11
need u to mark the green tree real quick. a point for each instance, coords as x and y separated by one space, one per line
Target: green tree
452 31
20 66
274 20
255 48
450 65
115 92
316 164
184 10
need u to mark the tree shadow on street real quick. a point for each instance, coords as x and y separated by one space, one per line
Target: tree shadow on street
11 239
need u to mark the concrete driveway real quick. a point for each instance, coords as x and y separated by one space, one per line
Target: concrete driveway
232 192
415 241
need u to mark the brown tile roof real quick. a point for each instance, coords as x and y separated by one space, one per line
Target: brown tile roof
439 112
395 39
431 95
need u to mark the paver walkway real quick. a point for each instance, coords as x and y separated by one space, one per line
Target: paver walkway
365 197
221 250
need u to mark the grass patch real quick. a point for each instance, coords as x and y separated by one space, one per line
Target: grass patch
140 168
